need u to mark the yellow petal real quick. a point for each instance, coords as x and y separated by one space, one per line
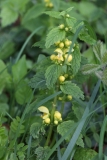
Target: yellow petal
43 109
58 50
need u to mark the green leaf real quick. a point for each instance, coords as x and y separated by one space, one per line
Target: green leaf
54 35
19 70
98 50
90 30
6 48
3 75
23 93
64 127
42 152
71 21
90 68
72 89
66 11
33 12
84 154
8 16
13 156
38 81
84 36
35 129
78 110
76 59
88 141
14 127
104 77
3 108
104 58
53 14
56 4
52 74
96 137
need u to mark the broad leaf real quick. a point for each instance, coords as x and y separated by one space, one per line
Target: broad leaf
104 58
99 50
33 12
84 36
42 152
35 129
53 14
78 110
19 69
52 74
64 127
8 16
54 35
71 21
104 77
90 68
76 60
38 81
84 154
72 89
66 11
23 93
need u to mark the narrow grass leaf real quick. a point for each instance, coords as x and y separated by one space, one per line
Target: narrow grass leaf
103 130
29 147
26 42
81 124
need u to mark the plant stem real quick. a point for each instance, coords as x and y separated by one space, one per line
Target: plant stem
52 118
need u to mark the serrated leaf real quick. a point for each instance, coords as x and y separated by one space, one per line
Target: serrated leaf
33 12
84 154
64 127
54 14
54 35
52 74
43 109
35 129
76 59
98 50
72 89
71 21
40 44
104 77
38 81
66 11
84 36
42 152
104 58
8 16
90 68
78 110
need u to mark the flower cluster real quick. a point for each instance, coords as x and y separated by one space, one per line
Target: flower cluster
46 116
48 3
61 51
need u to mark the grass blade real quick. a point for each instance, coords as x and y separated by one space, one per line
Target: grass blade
103 129
26 42
81 124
